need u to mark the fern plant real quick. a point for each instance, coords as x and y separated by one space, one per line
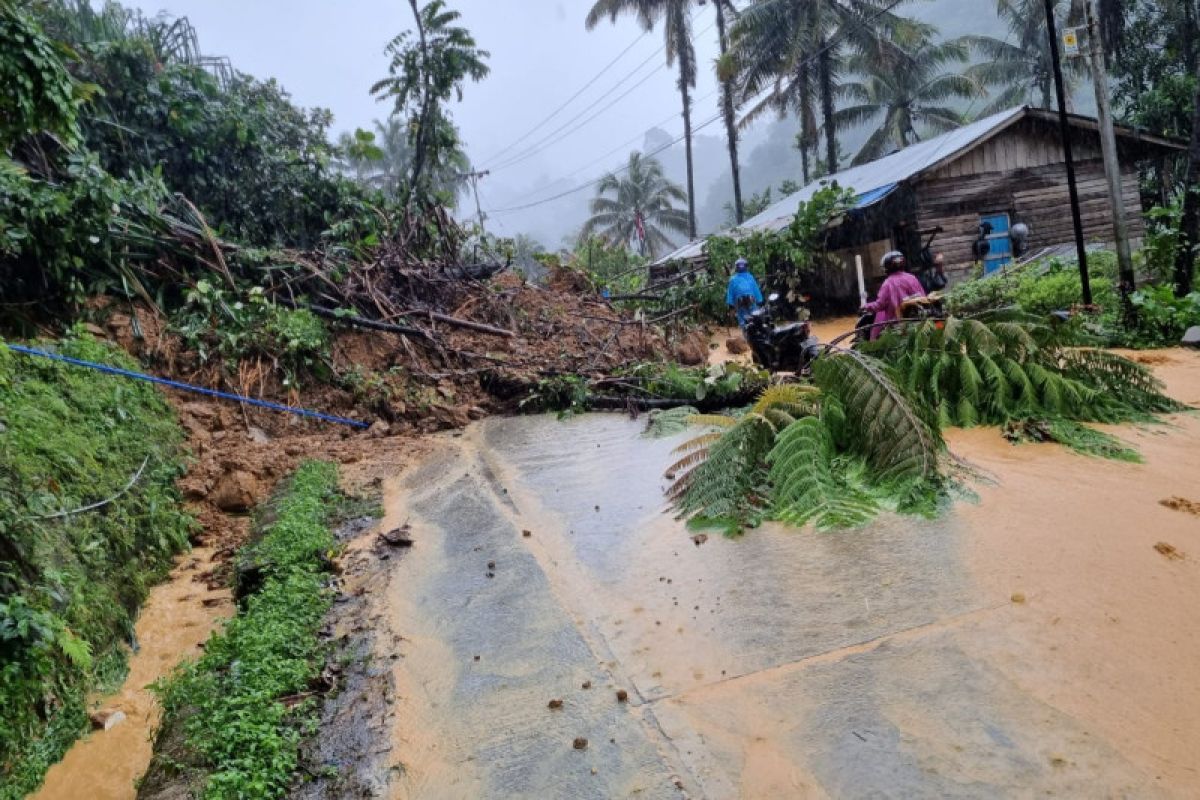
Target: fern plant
867 436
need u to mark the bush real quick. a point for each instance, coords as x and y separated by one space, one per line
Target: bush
241 739
71 585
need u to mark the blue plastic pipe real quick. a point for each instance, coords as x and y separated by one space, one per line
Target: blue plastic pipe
187 387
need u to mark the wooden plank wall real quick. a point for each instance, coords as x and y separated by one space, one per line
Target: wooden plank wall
1036 195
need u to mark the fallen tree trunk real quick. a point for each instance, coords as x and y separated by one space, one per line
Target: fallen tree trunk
360 322
465 323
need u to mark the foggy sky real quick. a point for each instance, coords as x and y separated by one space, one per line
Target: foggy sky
328 54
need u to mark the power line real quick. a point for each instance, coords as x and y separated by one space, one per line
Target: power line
835 41
568 101
553 138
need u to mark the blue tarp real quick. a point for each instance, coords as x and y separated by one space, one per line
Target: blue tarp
873 196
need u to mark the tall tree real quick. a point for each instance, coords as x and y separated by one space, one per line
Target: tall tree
1019 66
908 83
423 76
796 49
637 207
677 29
727 75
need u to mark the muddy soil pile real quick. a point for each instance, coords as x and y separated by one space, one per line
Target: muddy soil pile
473 347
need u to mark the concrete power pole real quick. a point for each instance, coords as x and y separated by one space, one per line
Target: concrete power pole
1108 146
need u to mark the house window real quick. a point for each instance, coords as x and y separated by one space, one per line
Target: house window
1000 250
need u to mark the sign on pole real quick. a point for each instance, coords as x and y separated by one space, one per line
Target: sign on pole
1070 39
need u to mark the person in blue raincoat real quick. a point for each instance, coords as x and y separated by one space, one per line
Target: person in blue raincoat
743 294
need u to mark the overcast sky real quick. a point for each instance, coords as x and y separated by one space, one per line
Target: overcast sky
329 53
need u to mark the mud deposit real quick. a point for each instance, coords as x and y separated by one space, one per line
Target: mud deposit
177 618
1032 644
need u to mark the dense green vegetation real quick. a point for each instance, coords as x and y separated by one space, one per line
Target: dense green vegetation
866 434
1042 287
234 718
71 582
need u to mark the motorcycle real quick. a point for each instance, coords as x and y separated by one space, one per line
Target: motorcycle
916 308
786 348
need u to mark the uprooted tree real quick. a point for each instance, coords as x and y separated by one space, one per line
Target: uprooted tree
865 435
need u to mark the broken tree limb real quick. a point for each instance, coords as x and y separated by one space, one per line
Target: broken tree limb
468 324
361 322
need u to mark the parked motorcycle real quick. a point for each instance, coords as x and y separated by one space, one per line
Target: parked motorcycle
931 306
785 348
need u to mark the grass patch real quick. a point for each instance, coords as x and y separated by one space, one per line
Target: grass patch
70 586
237 715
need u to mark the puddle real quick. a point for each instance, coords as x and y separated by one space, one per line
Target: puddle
789 663
104 765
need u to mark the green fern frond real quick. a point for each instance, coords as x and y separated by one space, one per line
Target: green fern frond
898 442
807 489
665 423
727 485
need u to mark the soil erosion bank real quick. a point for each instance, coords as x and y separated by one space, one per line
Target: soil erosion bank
1035 642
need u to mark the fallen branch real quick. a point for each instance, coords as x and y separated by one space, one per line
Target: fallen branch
361 322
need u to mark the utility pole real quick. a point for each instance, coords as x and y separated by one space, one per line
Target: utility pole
1112 166
1065 128
474 177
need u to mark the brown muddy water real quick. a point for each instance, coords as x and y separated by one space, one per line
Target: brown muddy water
179 615
1035 642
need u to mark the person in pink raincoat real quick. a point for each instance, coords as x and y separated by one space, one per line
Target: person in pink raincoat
898 286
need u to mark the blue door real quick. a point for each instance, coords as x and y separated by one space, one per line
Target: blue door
1000 253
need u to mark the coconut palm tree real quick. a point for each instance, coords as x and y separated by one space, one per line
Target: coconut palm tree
796 48
727 75
1020 66
638 207
677 28
904 85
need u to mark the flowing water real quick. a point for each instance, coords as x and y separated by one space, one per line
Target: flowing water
1033 643
179 615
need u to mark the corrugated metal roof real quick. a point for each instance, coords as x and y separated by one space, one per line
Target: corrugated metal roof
867 178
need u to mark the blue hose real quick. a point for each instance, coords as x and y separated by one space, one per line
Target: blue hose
187 387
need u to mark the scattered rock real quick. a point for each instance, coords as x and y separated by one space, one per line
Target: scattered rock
622 696
106 719
293 450
476 658
1192 337
555 704
580 743
1169 551
1181 504
95 330
212 602
349 458
398 537
491 574
700 538
257 435
527 534
491 565
236 492
378 429
586 685
1018 597
736 345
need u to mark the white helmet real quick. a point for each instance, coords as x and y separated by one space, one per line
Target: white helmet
887 257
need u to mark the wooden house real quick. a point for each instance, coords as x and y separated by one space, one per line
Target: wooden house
1004 170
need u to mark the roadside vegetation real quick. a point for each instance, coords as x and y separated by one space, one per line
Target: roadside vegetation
233 719
89 520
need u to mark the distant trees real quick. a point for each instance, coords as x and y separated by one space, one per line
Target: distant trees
424 74
677 29
1019 66
383 159
907 82
637 207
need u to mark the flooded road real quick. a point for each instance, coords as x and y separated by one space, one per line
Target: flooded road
1035 643
177 619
